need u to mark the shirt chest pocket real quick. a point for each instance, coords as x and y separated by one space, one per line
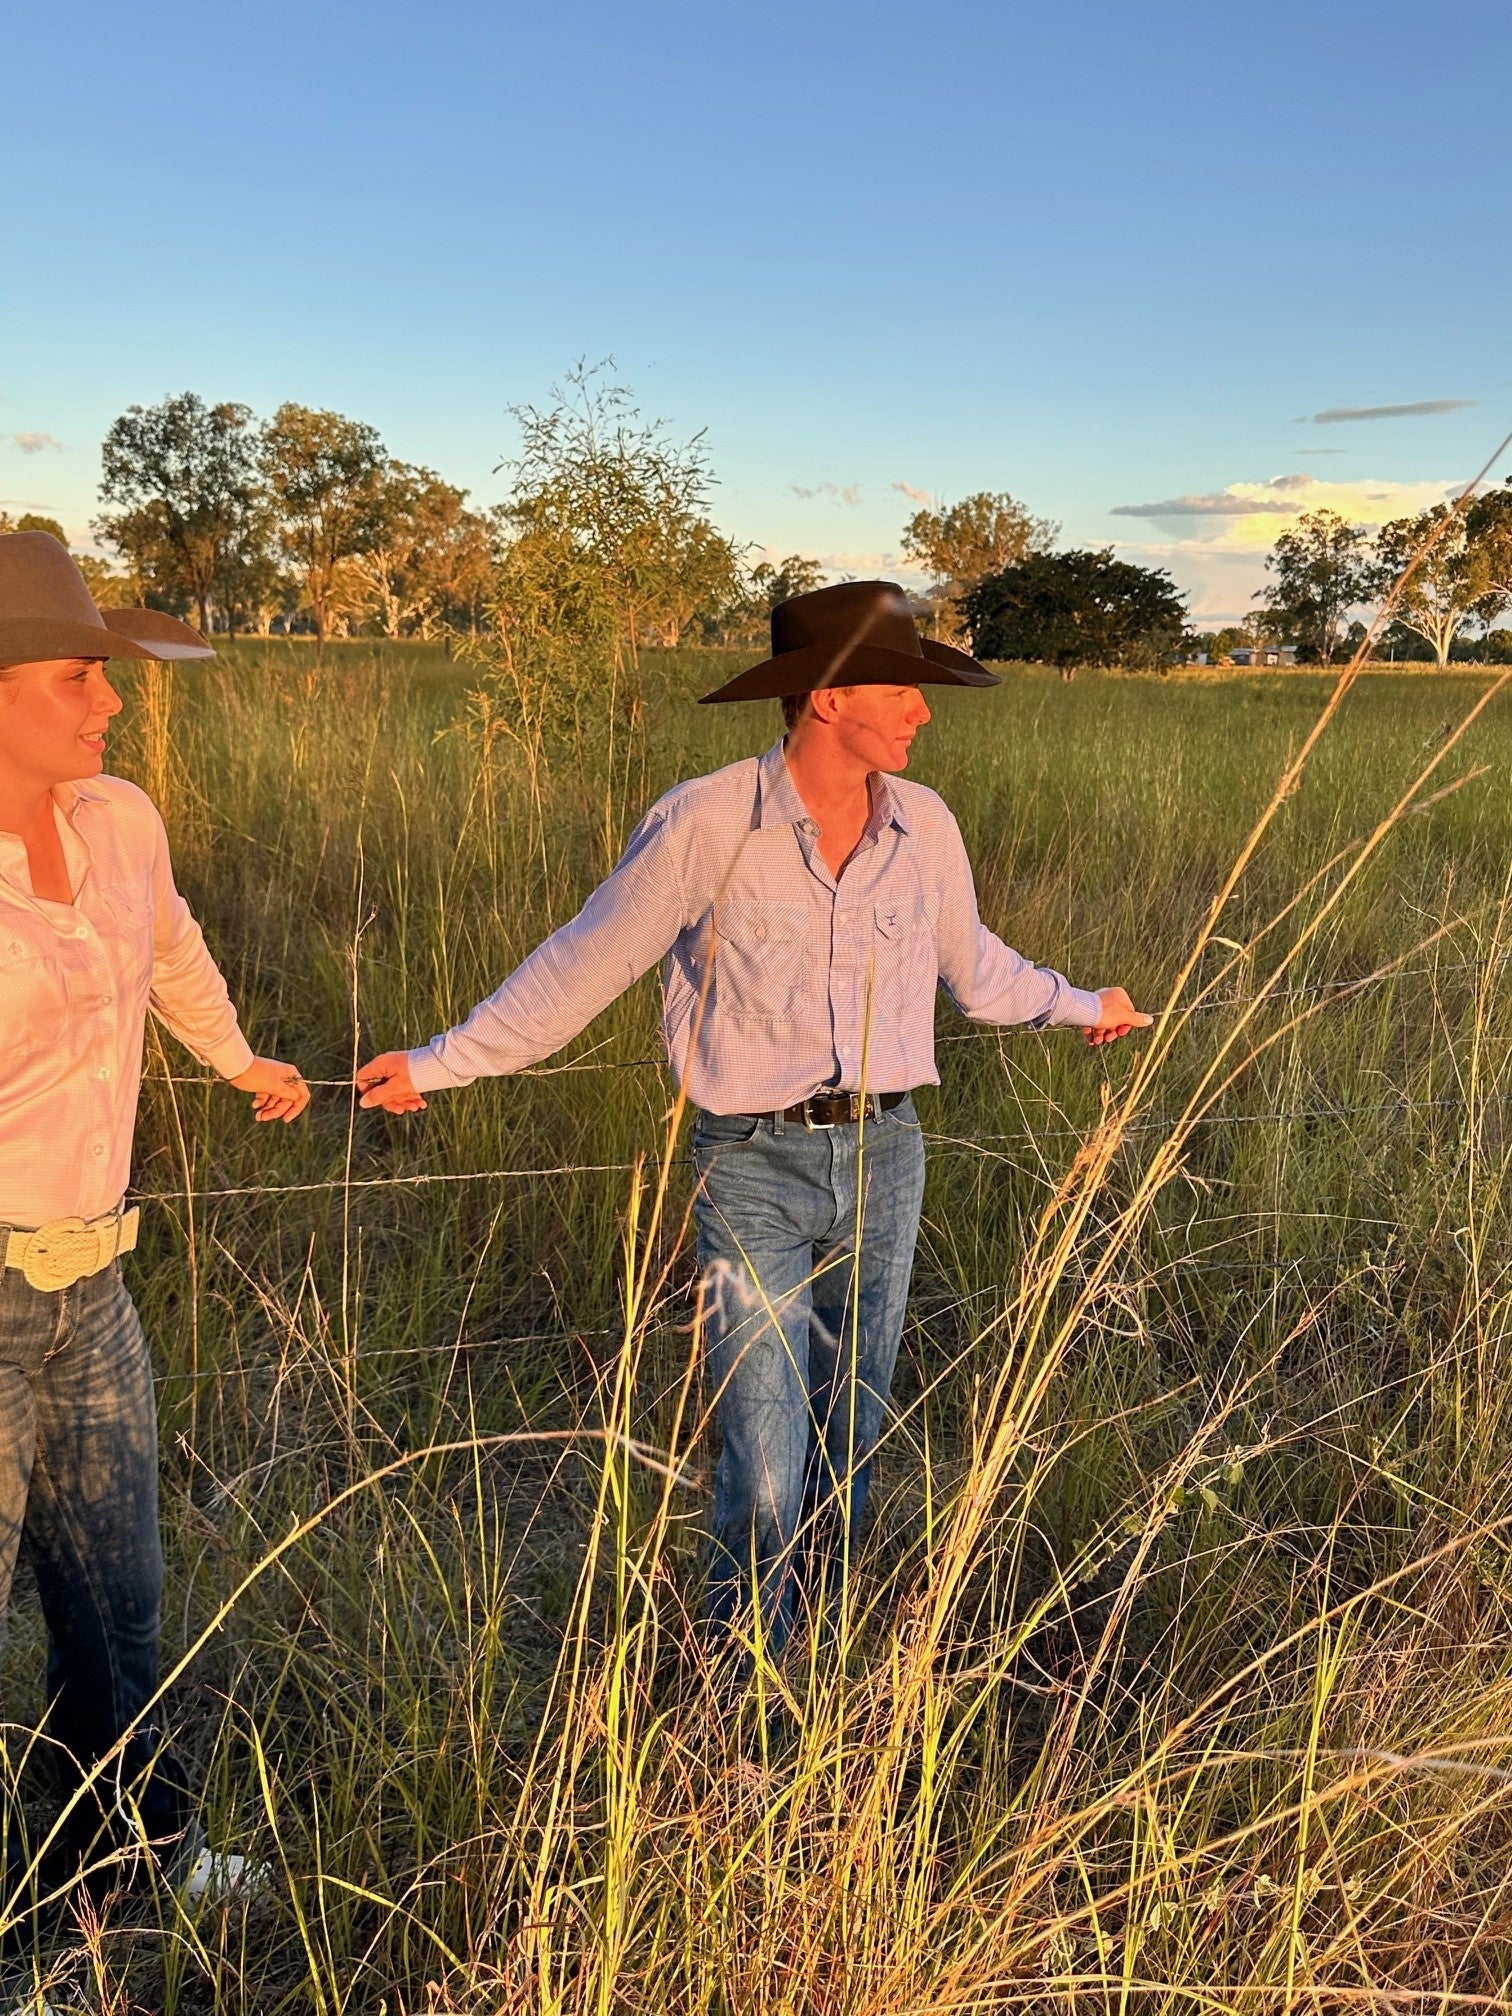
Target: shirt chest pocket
761 951
123 922
34 997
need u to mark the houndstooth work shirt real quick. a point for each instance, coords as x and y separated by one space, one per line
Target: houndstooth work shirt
779 981
76 981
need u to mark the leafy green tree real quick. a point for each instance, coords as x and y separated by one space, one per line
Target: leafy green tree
605 543
183 479
769 584
1488 528
429 558
1080 608
1450 583
961 544
33 521
1323 568
324 474
606 532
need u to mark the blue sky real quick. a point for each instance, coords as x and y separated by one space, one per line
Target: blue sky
1105 256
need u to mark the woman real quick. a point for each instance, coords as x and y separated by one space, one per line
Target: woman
92 932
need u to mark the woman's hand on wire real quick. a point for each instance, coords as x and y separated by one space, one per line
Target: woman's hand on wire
279 1091
1117 1017
386 1082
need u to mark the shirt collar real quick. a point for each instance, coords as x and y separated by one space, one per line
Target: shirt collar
77 853
781 804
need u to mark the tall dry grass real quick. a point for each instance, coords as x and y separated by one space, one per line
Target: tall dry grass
1174 1670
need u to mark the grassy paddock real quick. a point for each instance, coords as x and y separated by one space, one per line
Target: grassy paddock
1178 1672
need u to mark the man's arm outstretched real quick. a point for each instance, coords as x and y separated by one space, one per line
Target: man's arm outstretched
629 922
990 982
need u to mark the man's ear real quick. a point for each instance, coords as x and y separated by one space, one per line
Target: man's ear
824 702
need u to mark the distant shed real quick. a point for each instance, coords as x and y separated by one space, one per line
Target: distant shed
1265 654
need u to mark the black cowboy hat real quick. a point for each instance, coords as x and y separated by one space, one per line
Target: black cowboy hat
858 633
47 611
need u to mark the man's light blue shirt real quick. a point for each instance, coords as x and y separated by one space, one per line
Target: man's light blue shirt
780 981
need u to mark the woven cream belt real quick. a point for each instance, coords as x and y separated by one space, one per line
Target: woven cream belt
65 1250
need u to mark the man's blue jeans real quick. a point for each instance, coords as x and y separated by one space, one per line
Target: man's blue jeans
78 1483
801 1343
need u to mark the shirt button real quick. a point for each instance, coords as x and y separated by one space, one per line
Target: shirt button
103 1072
82 931
761 930
99 1149
107 1000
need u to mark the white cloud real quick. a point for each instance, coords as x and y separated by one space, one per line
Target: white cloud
35 444
886 566
1247 517
849 494
913 493
1215 546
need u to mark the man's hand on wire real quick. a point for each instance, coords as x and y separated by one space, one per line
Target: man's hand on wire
279 1091
1118 1017
386 1082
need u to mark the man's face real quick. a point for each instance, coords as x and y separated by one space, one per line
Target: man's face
876 724
53 718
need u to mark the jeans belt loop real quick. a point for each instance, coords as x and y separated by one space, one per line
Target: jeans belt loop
779 1122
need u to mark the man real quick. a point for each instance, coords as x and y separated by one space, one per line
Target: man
807 903
92 931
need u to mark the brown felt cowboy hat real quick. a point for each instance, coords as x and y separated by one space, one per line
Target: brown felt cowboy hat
47 611
858 633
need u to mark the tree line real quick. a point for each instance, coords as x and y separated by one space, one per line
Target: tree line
1442 579
305 522
605 542
1447 572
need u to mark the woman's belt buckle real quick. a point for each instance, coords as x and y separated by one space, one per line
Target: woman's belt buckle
62 1252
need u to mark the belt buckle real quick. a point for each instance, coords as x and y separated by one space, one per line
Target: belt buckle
60 1253
816 1126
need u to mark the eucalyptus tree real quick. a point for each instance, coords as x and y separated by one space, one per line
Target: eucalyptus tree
959 545
1449 583
1323 568
183 480
324 474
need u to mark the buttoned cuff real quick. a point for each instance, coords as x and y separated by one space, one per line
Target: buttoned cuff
428 1073
1076 1008
231 1056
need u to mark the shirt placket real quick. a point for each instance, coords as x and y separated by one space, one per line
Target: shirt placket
850 903
92 984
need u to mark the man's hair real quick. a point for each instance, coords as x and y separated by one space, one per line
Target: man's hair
793 705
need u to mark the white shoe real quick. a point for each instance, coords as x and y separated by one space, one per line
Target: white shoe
216 1878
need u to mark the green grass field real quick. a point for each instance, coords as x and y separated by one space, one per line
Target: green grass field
1178 1672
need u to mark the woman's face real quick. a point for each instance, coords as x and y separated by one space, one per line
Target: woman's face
53 718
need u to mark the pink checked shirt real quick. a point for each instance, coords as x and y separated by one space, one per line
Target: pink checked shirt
76 981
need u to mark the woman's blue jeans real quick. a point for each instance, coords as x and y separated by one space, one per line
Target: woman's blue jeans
805 1247
78 1484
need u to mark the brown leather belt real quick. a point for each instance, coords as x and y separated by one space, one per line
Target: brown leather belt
835 1109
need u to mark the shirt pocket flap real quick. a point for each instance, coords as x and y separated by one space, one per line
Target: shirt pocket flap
756 927
890 920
